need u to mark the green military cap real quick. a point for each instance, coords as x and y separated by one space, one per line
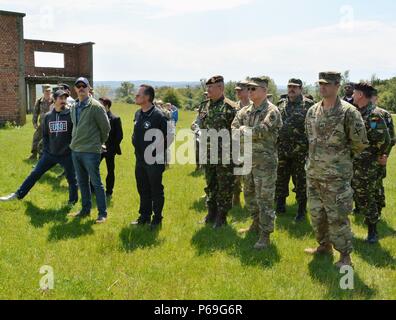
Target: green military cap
259 82
215 79
46 87
295 82
242 85
365 87
330 77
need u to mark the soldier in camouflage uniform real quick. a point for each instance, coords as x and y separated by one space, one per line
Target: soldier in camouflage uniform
380 190
366 164
293 148
243 96
336 133
263 121
41 107
217 115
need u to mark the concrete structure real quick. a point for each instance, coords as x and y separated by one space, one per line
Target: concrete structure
19 74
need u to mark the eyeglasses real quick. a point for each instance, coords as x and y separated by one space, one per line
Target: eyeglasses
79 86
252 89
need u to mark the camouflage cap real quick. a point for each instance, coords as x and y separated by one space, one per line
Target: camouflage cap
365 87
295 82
330 77
259 82
242 85
215 79
47 87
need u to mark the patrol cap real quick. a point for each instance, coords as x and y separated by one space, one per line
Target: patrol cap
295 82
215 79
366 88
47 87
330 77
64 86
259 82
82 80
60 93
242 85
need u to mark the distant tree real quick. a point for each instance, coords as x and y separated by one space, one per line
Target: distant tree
125 90
171 96
102 91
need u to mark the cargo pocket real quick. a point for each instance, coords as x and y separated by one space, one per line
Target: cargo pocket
344 201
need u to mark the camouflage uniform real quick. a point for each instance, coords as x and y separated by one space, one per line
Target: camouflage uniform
334 137
366 166
218 115
293 148
41 107
381 174
259 186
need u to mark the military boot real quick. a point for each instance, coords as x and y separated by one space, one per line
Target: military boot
326 248
263 242
211 216
254 227
221 220
302 211
281 205
345 260
372 237
33 156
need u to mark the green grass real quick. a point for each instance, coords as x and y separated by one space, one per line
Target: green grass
184 260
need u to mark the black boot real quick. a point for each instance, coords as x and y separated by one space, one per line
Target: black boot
302 211
281 205
211 216
221 221
372 237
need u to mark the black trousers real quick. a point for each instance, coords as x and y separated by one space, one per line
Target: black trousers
110 178
151 190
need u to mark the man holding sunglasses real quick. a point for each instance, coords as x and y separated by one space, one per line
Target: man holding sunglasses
293 148
261 120
91 129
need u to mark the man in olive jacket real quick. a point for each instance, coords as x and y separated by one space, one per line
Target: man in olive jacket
91 129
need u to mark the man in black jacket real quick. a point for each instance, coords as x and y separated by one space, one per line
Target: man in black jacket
149 140
57 131
112 146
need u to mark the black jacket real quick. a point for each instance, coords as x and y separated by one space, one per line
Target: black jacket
145 121
57 132
115 136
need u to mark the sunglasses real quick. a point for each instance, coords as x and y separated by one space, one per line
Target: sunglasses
79 86
252 89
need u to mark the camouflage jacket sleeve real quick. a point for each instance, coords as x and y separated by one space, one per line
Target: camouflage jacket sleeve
356 131
378 134
36 111
271 123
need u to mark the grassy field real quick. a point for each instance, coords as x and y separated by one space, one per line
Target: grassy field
183 260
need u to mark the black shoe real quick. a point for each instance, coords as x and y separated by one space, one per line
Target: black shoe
372 237
109 196
281 206
141 222
81 214
302 211
157 222
101 219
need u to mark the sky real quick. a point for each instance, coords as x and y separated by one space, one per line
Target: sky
174 40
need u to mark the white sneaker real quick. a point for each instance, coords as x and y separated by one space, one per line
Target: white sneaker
11 197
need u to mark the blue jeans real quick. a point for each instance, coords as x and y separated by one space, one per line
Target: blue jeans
45 164
87 169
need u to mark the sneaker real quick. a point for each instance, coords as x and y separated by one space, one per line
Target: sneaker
101 219
80 214
11 197
141 222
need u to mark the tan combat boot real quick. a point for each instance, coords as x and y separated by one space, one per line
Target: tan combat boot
254 227
322 249
263 242
345 260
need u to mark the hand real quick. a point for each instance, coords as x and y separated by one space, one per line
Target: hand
383 160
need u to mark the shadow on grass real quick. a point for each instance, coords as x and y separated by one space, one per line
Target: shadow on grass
239 214
199 205
322 269
139 237
76 228
54 182
39 217
287 223
374 254
197 173
207 241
